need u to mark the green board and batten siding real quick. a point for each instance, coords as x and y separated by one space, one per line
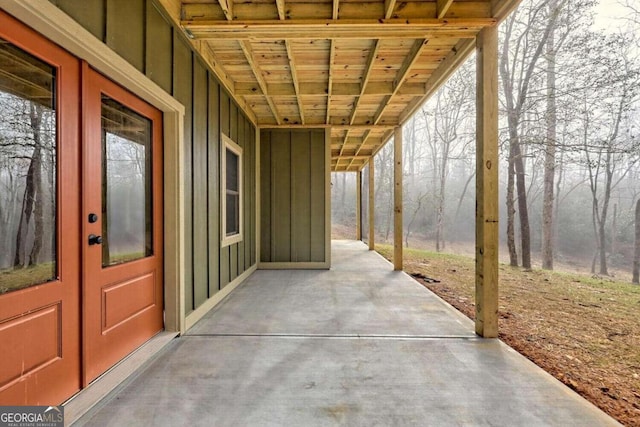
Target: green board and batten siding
139 32
294 204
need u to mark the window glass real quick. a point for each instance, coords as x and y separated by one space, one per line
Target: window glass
28 170
127 221
231 192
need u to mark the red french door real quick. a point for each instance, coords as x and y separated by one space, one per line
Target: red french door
39 218
81 247
122 223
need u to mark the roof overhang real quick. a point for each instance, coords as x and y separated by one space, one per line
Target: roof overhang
358 67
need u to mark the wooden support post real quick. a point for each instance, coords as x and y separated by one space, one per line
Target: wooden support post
397 198
359 205
487 183
372 205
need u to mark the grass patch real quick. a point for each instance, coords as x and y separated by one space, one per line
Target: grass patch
125 257
14 279
583 330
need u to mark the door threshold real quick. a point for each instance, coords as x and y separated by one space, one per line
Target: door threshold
83 401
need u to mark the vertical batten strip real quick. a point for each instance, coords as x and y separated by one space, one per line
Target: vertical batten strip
372 204
487 184
397 198
359 205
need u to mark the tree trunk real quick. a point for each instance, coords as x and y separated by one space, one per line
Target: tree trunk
523 210
594 224
602 231
461 199
26 212
549 158
511 214
515 101
614 230
636 253
603 253
36 160
414 215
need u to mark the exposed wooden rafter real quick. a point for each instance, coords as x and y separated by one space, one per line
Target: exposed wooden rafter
339 28
332 55
357 68
347 9
338 89
227 8
385 127
409 61
281 10
365 81
442 7
452 61
389 6
364 140
365 78
248 53
294 78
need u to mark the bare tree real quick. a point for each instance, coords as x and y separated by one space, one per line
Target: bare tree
608 154
636 252
446 137
522 48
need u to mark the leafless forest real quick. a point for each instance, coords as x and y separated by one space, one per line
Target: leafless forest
569 145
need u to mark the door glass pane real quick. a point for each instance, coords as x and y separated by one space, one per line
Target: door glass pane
127 223
27 170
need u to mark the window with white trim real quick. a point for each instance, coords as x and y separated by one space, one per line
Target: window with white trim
231 192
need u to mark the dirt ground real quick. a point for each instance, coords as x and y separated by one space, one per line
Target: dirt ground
583 330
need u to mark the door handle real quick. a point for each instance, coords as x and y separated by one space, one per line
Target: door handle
94 240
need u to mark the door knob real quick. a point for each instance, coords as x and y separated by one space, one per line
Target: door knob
95 240
92 218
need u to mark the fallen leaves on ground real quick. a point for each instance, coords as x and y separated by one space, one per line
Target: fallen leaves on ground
583 330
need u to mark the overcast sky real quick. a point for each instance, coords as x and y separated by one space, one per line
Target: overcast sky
607 12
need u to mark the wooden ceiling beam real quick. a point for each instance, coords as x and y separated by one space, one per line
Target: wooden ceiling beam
334 29
338 89
248 53
389 6
452 61
364 140
281 10
210 58
294 77
329 126
227 8
365 78
442 7
345 157
402 75
332 56
313 9
373 54
410 60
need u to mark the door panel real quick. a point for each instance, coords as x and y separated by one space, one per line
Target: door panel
39 264
122 231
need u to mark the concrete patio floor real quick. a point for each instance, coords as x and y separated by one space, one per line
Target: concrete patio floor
359 345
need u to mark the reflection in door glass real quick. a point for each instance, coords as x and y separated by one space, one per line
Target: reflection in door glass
126 184
27 170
